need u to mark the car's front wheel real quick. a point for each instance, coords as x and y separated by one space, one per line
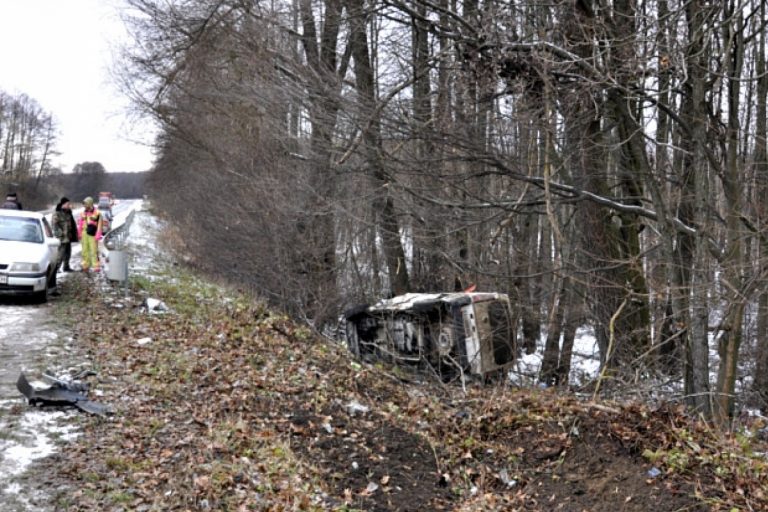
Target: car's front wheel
42 296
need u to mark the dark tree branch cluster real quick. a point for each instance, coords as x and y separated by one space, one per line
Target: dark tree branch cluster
603 163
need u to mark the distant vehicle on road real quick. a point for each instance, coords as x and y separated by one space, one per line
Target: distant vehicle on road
106 200
105 207
463 333
28 253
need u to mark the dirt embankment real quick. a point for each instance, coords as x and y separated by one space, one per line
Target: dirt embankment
221 405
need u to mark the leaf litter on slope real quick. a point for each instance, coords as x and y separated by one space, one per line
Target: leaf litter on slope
233 407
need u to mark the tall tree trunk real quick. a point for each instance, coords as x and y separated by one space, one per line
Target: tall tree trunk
429 235
633 170
761 192
731 329
670 305
394 254
694 210
616 283
550 369
321 56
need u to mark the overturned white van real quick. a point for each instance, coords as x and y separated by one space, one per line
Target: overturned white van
453 333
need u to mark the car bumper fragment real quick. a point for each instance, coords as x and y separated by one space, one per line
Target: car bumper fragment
61 393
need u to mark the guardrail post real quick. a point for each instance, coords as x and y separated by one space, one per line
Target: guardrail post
114 241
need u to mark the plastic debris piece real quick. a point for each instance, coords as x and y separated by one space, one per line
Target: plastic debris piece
654 472
155 305
60 393
354 407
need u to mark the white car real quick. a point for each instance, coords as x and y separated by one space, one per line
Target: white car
28 253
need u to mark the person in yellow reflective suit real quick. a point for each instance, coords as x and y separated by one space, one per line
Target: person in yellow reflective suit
89 225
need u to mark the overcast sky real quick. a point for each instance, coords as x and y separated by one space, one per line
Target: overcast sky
59 52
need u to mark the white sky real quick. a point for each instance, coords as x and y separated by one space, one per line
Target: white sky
59 53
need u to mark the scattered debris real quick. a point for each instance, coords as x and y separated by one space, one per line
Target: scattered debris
144 341
654 472
505 479
155 305
60 392
354 407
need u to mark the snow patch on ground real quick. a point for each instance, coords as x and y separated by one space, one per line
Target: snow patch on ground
33 436
585 363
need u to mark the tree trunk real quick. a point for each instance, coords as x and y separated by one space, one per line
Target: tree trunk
321 57
394 254
428 272
694 211
730 340
761 192
609 240
549 363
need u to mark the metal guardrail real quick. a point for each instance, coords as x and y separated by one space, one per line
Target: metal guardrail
114 240
117 258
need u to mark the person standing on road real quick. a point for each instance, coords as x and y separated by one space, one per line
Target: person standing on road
11 202
65 229
89 233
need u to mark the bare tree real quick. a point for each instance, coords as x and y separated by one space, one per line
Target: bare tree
588 158
761 209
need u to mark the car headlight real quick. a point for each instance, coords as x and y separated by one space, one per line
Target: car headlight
24 267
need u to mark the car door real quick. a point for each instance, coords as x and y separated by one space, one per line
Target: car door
51 242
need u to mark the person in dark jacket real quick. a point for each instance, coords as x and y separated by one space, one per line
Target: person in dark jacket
11 202
65 229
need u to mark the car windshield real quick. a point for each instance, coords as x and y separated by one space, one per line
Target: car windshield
20 229
103 203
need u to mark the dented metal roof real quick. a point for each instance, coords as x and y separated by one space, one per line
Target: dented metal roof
410 300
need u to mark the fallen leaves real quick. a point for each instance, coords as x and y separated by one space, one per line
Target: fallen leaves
234 408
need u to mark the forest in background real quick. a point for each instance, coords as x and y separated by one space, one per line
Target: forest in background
28 151
90 178
27 148
602 161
